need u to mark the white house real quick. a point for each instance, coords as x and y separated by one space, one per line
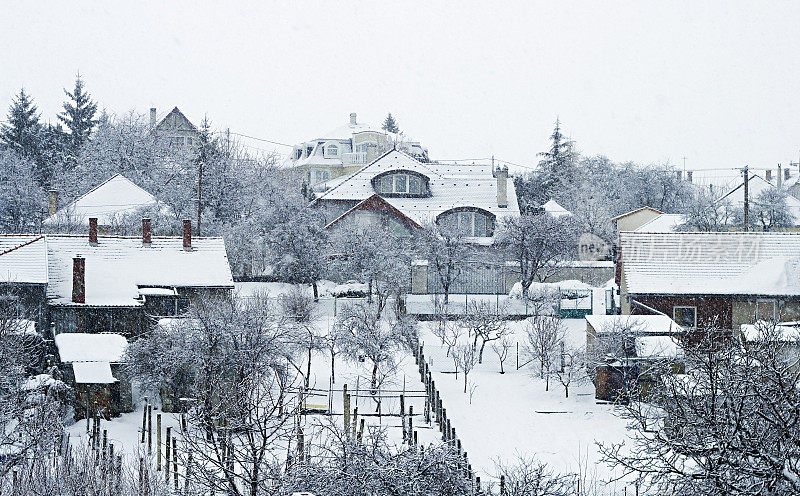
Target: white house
400 191
346 149
108 202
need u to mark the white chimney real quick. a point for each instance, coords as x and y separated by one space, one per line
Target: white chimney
352 118
502 187
152 117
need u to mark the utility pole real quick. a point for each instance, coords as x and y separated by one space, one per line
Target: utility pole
199 194
746 198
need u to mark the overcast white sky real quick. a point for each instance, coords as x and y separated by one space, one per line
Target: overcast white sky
717 82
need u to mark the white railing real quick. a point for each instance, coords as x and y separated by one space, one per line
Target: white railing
354 158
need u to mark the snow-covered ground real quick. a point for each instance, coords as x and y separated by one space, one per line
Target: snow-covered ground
506 416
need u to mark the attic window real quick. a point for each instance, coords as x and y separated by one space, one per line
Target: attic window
468 221
331 151
401 183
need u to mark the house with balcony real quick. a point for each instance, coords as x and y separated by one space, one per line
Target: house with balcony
336 154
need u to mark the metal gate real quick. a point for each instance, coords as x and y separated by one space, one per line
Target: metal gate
474 278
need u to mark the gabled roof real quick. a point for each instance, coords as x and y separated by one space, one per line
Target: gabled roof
23 259
553 208
711 263
85 347
116 267
635 211
175 120
664 223
450 186
376 202
756 185
109 200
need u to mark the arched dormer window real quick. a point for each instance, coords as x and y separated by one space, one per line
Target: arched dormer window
331 150
401 183
468 221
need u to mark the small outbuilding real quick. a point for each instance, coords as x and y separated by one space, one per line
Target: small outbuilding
93 365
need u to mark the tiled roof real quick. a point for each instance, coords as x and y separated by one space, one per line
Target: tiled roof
115 266
711 263
450 186
115 197
23 259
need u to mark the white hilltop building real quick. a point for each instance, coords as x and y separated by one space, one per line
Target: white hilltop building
346 149
398 190
108 203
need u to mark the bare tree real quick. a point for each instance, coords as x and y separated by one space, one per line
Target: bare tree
465 358
543 334
536 243
445 250
501 349
530 477
726 426
572 368
363 335
484 323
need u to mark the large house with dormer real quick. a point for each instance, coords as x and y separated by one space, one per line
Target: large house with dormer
404 193
346 149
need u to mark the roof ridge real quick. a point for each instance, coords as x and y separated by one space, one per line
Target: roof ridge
76 200
22 245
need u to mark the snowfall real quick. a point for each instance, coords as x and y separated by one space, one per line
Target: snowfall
502 416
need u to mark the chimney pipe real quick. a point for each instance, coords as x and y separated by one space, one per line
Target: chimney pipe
187 235
93 230
678 175
689 176
769 175
152 117
786 174
52 200
352 118
502 186
780 176
78 279
146 232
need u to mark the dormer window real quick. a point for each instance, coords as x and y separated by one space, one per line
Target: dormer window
401 183
332 151
468 221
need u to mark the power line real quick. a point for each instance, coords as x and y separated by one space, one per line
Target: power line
253 137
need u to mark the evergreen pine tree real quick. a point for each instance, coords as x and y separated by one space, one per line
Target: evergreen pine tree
557 167
390 124
78 114
22 132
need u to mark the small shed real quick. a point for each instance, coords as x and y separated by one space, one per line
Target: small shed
92 363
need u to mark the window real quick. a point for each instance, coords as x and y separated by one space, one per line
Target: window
332 151
685 316
189 141
469 222
321 175
766 309
178 141
401 184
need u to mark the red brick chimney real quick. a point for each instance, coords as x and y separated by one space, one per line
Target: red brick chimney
187 235
93 230
78 279
146 232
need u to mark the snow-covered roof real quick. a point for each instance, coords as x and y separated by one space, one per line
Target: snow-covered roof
23 259
657 346
711 263
118 269
556 210
117 266
108 201
84 347
664 223
757 185
635 324
93 373
450 186
787 332
620 216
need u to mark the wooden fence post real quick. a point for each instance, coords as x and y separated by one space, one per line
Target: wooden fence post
168 452
144 419
410 424
403 416
346 405
149 429
158 442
